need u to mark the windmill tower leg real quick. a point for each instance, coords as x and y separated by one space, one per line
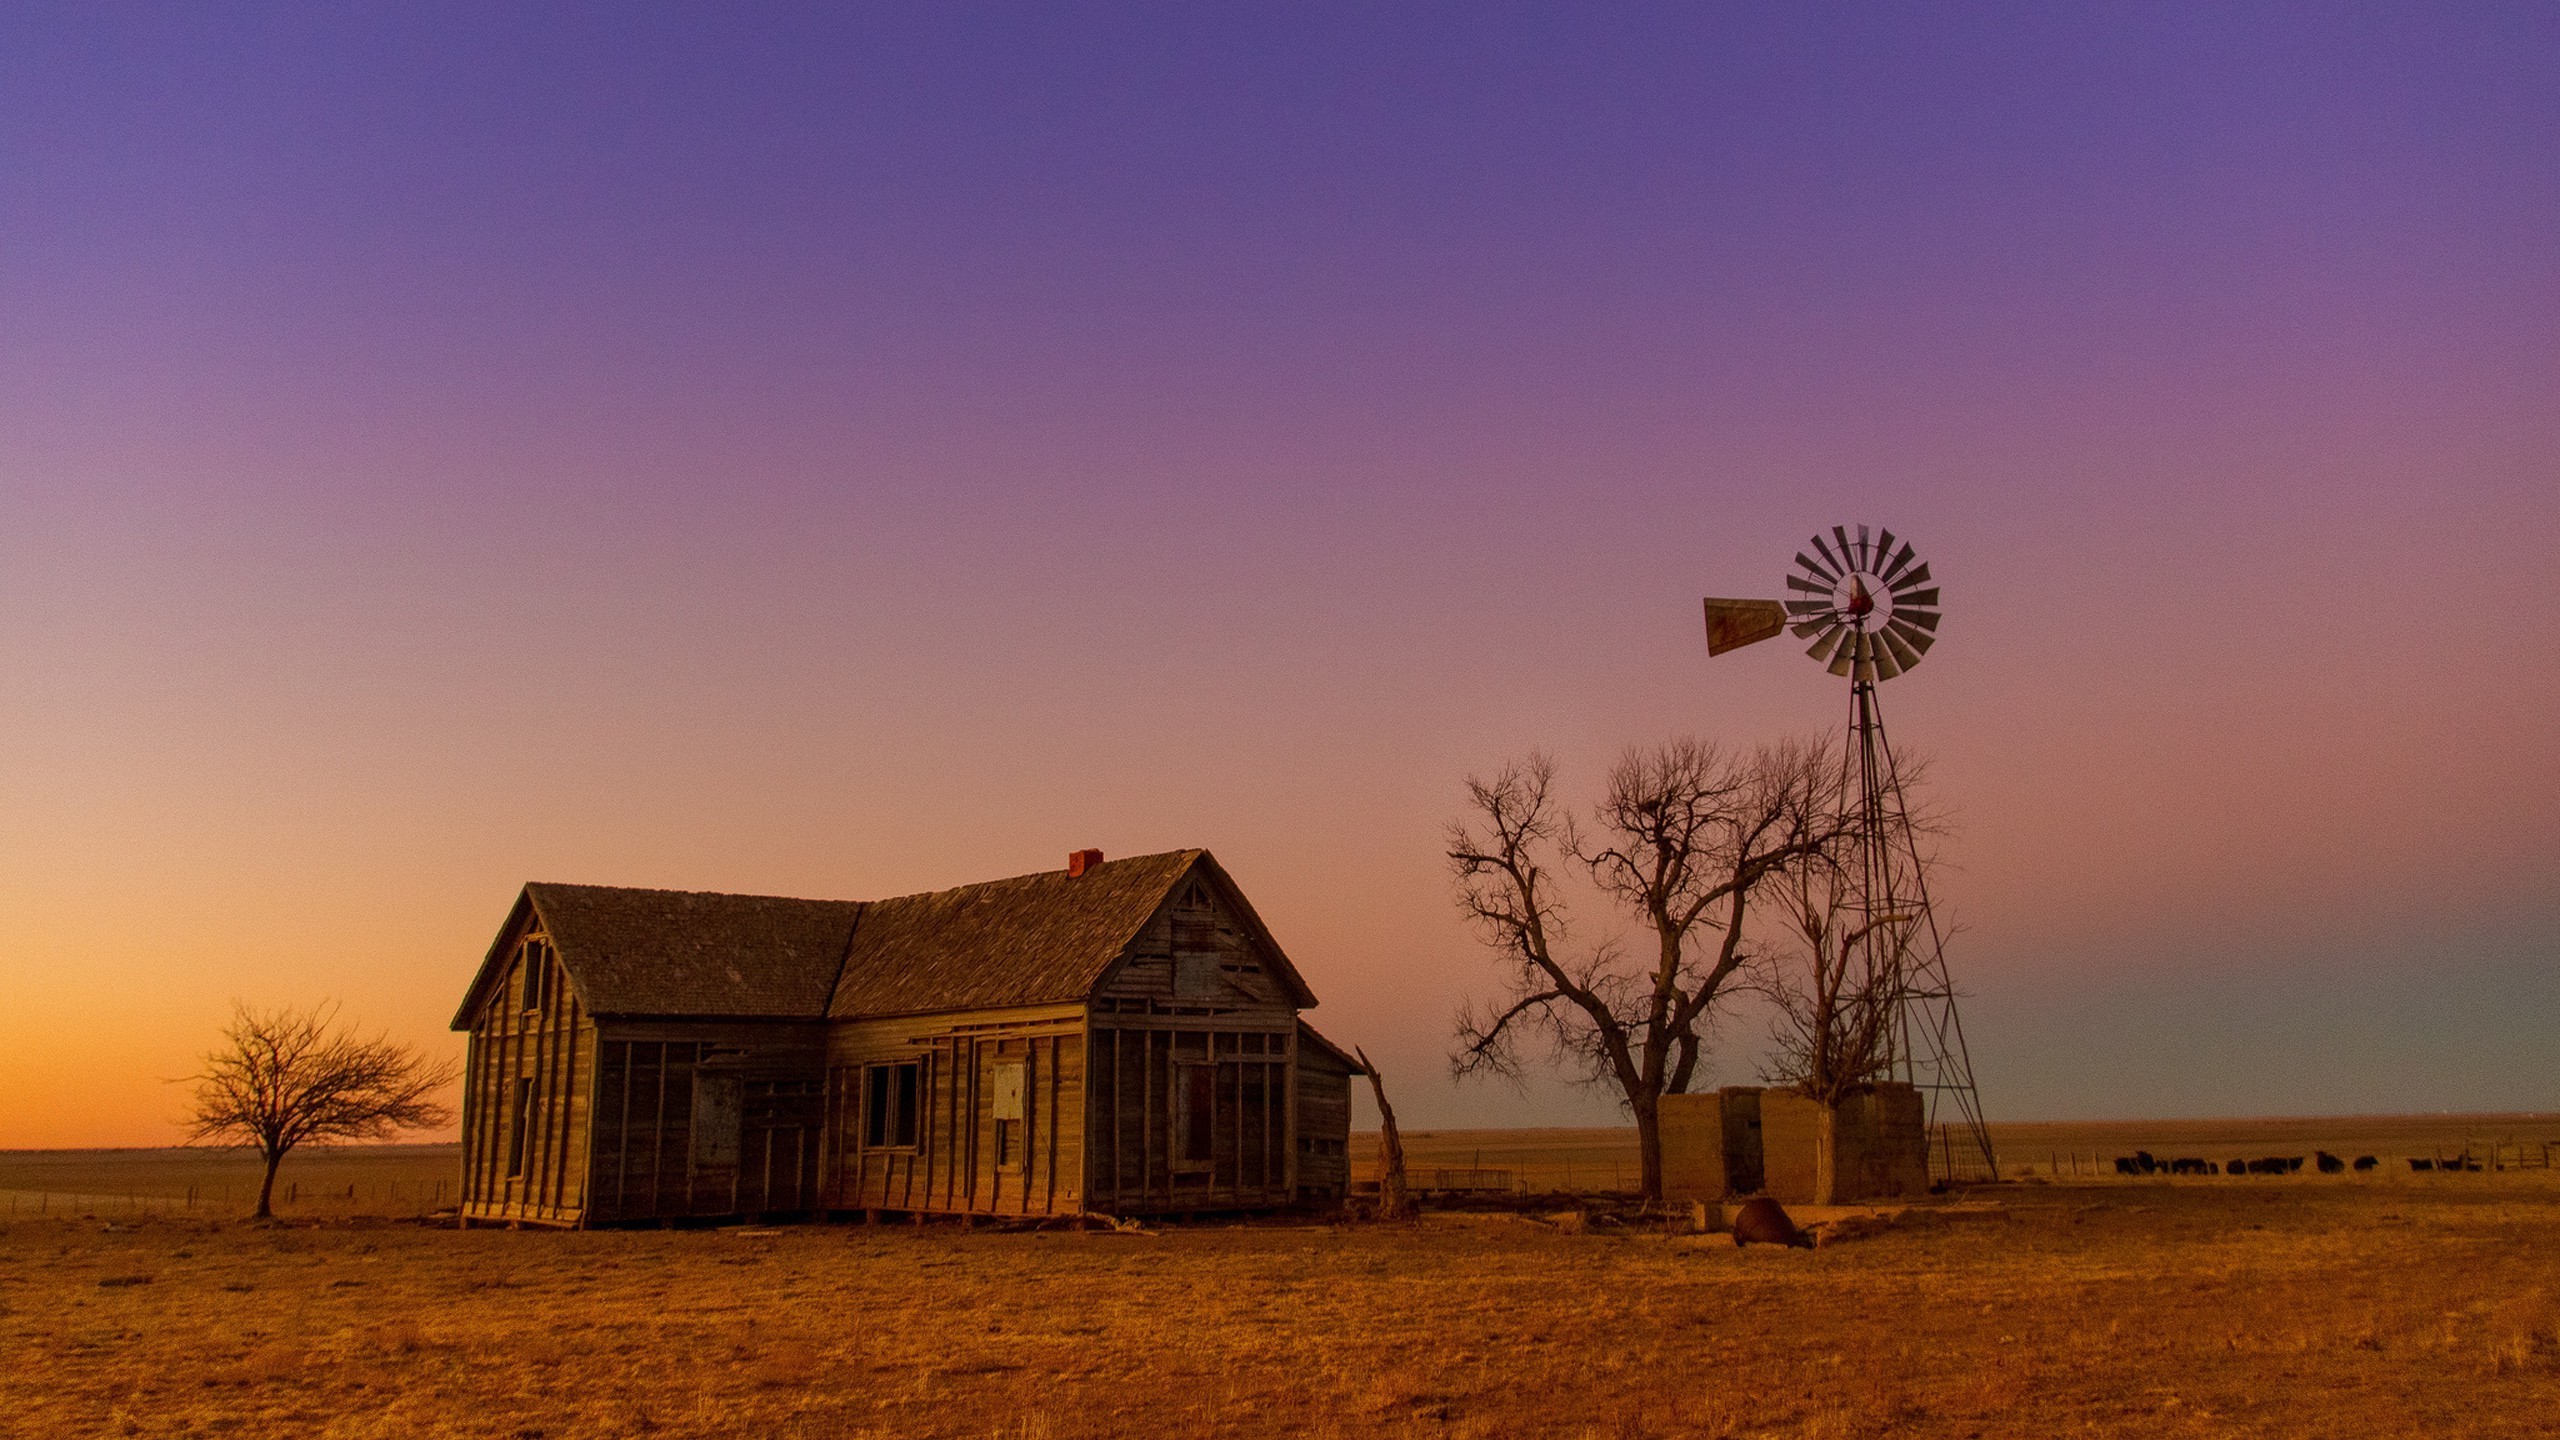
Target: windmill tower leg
1929 1034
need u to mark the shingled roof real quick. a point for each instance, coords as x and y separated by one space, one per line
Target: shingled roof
1033 939
682 952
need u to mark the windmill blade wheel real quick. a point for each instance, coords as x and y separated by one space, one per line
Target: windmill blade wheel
1868 602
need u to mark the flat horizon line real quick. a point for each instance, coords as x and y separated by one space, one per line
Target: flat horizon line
2437 1116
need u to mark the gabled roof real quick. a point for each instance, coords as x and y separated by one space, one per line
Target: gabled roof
1031 940
684 952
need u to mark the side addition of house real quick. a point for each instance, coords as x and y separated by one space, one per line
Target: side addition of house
1121 1036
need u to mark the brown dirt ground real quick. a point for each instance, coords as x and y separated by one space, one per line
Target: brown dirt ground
2310 1305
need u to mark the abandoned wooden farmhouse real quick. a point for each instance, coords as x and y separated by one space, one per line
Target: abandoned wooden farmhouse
1119 1036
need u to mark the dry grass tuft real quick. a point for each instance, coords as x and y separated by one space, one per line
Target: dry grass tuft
396 1337
272 1363
791 1364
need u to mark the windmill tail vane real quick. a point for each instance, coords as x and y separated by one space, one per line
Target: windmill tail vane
1869 605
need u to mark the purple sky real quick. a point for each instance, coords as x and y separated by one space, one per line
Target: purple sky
846 455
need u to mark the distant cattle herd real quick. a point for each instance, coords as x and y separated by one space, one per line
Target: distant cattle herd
2143 1162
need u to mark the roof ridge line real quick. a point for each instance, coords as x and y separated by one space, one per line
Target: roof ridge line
1194 851
844 955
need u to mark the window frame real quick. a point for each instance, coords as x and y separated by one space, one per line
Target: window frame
520 1127
893 1117
1192 1119
533 982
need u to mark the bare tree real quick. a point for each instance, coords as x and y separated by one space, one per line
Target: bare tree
1685 835
1836 974
1835 984
287 1077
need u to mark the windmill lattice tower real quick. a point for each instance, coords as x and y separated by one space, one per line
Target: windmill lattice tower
1871 610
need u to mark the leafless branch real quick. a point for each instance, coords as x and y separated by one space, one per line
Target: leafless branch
286 1077
1682 837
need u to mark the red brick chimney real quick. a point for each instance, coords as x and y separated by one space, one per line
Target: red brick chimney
1079 861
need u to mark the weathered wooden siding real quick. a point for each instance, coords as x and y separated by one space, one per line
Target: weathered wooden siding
1151 1076
1195 958
951 1163
1193 993
528 1084
1324 1126
705 1118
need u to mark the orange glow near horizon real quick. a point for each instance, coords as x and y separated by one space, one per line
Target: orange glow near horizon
434 462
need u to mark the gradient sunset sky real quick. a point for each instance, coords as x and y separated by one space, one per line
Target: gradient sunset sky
859 450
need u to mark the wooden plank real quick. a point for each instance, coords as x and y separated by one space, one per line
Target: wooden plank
576 1088
537 1154
967 1110
1289 1114
622 1140
568 1116
693 1067
473 1120
510 1060
475 1116
528 1161
528 1182
948 1163
1050 1201
658 1140
1119 1061
862 1161
556 1158
493 1179
1261 1020
487 1040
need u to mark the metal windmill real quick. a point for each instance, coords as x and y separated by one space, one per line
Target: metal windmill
1871 611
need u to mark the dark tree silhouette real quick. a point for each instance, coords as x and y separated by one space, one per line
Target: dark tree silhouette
287 1077
1686 834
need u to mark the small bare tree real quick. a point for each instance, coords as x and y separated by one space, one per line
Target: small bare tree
1836 974
1684 837
1836 985
288 1077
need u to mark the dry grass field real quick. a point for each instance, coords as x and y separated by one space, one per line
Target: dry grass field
2302 1305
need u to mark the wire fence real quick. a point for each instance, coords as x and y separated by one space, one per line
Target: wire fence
390 1198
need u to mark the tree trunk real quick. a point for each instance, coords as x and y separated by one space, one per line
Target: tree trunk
267 1188
1648 1113
1826 1153
1394 1201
